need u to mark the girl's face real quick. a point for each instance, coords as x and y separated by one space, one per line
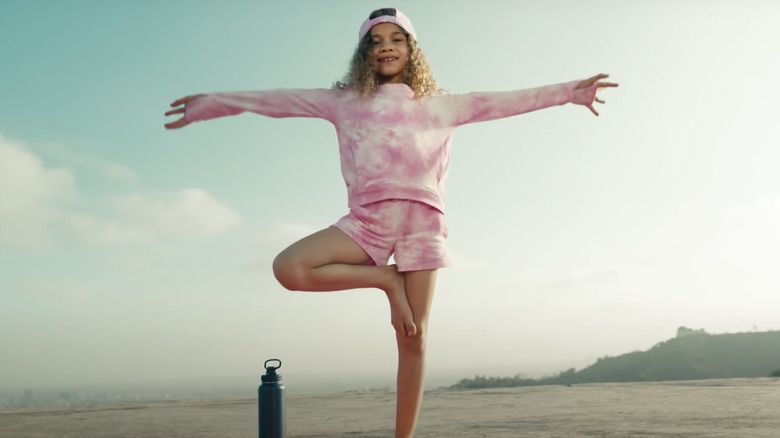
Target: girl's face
389 52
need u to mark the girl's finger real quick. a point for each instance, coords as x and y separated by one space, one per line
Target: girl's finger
175 111
600 100
181 101
595 79
186 99
593 110
607 84
177 124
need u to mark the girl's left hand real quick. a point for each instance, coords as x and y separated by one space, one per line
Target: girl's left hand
587 83
179 106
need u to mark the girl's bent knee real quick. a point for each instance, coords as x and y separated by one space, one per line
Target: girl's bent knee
288 273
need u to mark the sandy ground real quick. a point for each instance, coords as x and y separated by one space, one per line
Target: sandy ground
712 409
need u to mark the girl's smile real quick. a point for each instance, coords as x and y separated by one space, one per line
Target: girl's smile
389 52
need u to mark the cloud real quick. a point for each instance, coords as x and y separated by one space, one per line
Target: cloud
86 161
190 213
35 204
32 197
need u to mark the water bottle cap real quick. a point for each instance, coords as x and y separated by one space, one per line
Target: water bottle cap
270 371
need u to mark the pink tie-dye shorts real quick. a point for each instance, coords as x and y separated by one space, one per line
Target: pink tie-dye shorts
414 233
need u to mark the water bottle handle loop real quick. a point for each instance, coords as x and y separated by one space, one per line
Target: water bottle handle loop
265 365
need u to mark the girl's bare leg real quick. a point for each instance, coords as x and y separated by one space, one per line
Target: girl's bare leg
411 353
329 260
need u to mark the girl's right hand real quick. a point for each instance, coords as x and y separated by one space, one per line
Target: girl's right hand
597 84
179 106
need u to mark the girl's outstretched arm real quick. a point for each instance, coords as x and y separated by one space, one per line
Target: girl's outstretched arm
480 107
319 103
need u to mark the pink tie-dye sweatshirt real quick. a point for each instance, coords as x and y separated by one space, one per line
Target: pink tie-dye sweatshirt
393 146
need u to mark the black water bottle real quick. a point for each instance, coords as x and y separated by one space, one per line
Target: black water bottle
270 395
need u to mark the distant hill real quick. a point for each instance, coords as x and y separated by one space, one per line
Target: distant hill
692 355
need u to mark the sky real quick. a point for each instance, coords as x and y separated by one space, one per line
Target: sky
129 253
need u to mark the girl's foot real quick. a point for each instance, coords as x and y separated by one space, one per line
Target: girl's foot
400 311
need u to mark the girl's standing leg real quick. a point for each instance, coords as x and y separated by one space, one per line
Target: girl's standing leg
411 353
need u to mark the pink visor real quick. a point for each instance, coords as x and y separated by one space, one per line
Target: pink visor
387 15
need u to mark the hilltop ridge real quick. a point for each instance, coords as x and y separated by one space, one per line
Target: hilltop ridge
691 355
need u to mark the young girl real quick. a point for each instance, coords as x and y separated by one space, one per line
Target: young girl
394 126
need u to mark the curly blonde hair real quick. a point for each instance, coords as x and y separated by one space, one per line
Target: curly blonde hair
362 79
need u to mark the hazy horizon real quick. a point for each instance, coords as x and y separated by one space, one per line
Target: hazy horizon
314 380
131 252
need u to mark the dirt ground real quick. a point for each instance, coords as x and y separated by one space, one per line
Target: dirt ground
733 408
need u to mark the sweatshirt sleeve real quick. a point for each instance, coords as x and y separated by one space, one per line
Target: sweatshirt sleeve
484 106
318 103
